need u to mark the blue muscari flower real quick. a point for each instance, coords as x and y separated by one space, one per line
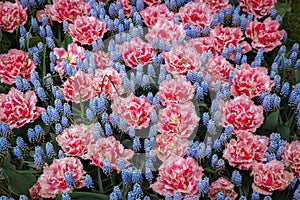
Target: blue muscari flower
150 97
168 196
267 198
58 128
90 114
23 32
42 31
151 70
32 135
217 145
236 18
199 93
293 56
131 132
19 83
215 20
107 168
61 154
20 143
145 82
41 93
23 197
98 131
22 42
243 198
34 24
296 195
276 101
194 150
123 124
139 77
136 144
156 101
118 192
4 145
121 163
221 17
70 181
121 28
244 22
295 47
137 176
236 178
48 81
225 53
220 196
45 118
108 130
206 30
220 163
65 196
32 3
176 20
39 156
255 196
58 94
282 50
65 122
177 195
53 114
139 5
279 19
25 3
244 59
65 26
50 42
49 31
285 89
149 164
273 13
112 10
58 105
105 119
148 174
214 160
277 80
211 128
152 132
67 110
126 175
18 152
114 119
116 23
161 77
150 154
203 186
50 150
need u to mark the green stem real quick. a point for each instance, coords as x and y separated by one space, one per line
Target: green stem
100 181
111 83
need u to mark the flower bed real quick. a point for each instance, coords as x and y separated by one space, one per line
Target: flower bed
148 99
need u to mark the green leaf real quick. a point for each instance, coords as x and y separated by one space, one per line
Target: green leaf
284 131
282 8
34 41
271 121
88 195
297 74
20 183
127 143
